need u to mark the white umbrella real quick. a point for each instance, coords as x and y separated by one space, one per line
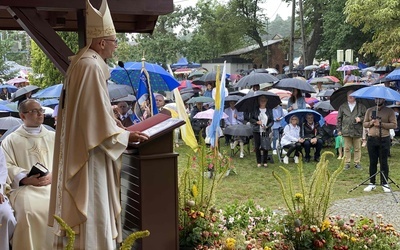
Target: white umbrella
9 122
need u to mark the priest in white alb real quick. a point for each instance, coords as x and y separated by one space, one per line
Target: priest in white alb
31 143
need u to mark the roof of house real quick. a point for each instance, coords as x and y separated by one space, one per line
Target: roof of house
276 39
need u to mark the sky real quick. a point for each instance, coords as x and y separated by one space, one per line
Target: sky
273 7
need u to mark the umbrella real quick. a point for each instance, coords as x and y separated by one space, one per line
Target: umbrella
325 105
233 98
20 93
311 100
4 108
294 83
186 85
160 79
128 98
347 67
208 114
325 93
282 76
394 75
255 79
311 67
316 80
186 96
12 129
331 118
49 92
340 96
208 77
249 102
16 80
281 92
200 99
197 73
375 91
382 80
9 121
49 102
301 114
272 71
10 88
117 91
239 130
332 78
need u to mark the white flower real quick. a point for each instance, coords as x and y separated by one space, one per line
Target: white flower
231 219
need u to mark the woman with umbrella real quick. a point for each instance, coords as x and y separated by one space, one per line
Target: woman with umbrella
261 120
296 101
291 139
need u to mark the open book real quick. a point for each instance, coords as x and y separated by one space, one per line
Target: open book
38 169
156 124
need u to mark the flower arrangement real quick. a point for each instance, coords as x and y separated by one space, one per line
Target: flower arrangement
198 219
303 225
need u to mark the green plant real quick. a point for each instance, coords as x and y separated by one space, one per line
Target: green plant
198 220
309 206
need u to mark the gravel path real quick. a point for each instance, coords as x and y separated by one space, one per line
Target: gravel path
369 206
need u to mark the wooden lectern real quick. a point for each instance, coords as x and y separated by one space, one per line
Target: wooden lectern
149 185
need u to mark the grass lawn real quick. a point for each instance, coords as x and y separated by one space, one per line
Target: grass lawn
259 185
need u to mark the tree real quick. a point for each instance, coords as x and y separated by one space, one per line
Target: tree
380 18
248 18
46 74
340 35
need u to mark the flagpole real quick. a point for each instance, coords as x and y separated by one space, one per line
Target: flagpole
148 85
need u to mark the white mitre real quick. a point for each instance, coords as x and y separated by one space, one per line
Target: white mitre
98 22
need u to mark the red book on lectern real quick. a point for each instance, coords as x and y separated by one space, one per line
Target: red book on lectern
156 124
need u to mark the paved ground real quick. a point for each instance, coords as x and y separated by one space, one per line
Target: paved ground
369 206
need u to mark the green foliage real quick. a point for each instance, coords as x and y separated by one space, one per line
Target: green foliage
197 215
69 231
380 18
334 65
341 35
311 203
46 74
130 240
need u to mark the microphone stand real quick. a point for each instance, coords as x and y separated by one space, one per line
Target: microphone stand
122 65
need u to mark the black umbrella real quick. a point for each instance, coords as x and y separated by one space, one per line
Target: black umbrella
207 77
239 130
232 98
249 102
340 96
294 83
20 93
325 105
255 79
382 80
282 76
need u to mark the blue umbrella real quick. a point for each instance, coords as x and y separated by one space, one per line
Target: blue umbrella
5 108
376 91
10 88
49 92
49 102
160 79
394 75
301 114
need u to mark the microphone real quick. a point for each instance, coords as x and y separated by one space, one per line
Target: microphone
122 65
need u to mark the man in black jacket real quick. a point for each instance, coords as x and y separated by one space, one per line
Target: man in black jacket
312 133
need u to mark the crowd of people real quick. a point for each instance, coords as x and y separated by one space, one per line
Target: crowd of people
79 163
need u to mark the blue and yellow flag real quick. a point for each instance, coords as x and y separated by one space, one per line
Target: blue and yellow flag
219 105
